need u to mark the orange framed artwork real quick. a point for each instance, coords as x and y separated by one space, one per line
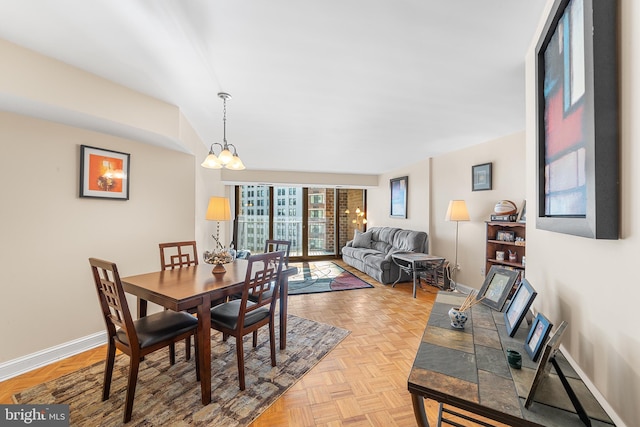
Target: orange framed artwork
104 173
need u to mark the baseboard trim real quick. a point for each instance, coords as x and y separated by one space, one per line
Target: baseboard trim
27 363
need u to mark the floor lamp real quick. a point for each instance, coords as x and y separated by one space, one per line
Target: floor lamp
457 211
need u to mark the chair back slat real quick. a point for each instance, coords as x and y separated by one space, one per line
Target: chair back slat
178 254
113 302
261 281
271 245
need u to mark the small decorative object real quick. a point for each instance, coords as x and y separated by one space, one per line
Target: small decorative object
524 261
458 315
481 177
458 318
514 358
505 207
500 255
104 173
537 336
497 286
517 308
218 258
513 257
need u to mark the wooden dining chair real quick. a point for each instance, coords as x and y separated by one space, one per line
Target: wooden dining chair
240 317
271 245
136 338
178 254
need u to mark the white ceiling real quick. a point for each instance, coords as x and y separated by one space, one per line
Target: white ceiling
356 86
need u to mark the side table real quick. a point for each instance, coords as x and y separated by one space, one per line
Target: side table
415 262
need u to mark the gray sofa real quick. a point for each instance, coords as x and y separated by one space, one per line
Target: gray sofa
370 252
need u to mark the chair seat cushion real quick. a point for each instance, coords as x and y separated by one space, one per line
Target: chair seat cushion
226 314
160 327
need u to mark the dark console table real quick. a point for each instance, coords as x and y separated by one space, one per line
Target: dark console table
467 369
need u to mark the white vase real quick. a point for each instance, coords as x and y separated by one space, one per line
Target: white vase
458 318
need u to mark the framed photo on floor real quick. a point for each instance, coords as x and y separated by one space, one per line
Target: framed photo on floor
104 173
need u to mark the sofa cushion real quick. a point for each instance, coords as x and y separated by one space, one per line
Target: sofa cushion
409 240
362 240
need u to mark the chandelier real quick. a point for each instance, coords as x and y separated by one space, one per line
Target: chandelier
226 158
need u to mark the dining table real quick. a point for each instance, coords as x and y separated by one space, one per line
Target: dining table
195 287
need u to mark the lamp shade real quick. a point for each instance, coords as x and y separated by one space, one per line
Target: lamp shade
457 211
218 209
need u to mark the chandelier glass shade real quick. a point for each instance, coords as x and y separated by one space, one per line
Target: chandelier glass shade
226 158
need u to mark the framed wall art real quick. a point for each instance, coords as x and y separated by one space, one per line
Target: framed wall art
481 177
577 120
538 334
496 287
518 307
399 189
104 173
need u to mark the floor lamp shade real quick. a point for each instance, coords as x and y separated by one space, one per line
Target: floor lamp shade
218 209
457 211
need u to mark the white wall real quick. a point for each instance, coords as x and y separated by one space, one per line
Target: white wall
591 283
378 199
48 232
452 180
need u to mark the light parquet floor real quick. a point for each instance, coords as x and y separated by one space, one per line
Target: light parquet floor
362 382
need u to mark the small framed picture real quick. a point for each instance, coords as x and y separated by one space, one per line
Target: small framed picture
104 173
481 177
522 214
497 286
505 236
537 336
517 308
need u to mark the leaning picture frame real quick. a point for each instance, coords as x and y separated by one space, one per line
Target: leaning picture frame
577 120
544 368
522 213
104 173
399 192
497 286
537 337
481 177
518 307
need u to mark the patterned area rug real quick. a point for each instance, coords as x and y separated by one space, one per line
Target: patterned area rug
170 395
323 276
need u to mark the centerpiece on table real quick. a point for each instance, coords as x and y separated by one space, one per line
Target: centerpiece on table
219 256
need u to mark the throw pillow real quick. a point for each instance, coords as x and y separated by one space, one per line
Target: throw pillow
362 240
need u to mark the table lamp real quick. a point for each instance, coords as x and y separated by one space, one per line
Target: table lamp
218 210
